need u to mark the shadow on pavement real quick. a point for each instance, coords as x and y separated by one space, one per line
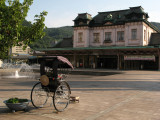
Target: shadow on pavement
15 90
5 109
115 85
95 73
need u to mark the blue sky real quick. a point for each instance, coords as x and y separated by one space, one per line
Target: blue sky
63 12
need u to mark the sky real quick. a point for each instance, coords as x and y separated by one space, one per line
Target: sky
63 12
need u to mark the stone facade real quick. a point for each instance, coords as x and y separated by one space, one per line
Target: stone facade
144 32
135 25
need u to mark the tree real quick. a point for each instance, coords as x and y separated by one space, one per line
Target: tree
12 32
52 36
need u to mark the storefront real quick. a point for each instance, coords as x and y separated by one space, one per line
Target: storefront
125 58
107 62
141 62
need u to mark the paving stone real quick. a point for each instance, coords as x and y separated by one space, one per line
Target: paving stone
116 95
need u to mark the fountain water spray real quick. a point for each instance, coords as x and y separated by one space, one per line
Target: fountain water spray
17 71
16 74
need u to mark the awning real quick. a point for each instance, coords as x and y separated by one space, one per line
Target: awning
139 57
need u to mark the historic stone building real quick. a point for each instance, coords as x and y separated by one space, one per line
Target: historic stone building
112 40
117 28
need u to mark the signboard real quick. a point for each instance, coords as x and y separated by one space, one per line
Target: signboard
139 57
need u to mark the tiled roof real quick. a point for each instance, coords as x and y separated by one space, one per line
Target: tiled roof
119 17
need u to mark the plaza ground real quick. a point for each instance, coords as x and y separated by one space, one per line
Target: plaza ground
104 95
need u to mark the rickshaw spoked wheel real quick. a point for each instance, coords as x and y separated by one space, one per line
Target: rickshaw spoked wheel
39 96
61 96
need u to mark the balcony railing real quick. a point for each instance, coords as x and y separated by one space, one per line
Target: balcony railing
108 41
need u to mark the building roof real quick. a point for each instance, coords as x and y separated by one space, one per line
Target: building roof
97 48
65 43
155 39
119 17
85 16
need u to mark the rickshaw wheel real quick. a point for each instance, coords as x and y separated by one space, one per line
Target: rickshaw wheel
39 96
61 96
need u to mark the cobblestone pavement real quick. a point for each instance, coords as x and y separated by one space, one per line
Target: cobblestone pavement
104 95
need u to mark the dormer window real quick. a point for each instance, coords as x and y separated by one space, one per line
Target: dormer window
108 17
80 23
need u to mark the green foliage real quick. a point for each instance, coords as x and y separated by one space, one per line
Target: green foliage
45 42
26 23
61 32
16 100
52 35
12 32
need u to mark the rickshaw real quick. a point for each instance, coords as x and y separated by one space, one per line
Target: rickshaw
53 71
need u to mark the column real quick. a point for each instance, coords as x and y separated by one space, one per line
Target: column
74 60
158 59
118 61
83 62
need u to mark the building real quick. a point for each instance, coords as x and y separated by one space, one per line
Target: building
19 54
122 39
19 50
116 28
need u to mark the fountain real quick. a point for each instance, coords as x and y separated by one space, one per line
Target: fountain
17 71
16 74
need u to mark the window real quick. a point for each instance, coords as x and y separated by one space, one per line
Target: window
108 36
134 34
145 35
96 37
80 37
80 23
120 36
